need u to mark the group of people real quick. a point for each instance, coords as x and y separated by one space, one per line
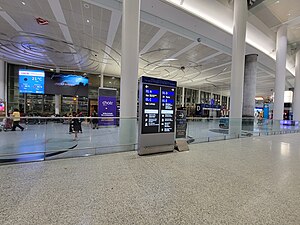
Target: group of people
76 121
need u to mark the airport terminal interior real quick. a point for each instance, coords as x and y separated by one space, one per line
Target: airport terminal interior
149 112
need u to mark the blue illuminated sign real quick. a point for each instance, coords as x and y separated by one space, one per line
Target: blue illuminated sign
169 93
31 81
151 99
171 101
155 92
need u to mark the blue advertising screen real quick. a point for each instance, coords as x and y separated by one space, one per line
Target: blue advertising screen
66 84
31 81
72 80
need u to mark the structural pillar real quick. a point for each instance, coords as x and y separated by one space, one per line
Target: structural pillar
296 105
183 97
281 50
2 81
249 92
102 80
57 99
237 68
129 72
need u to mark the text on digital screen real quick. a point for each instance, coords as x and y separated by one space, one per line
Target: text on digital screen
158 109
31 81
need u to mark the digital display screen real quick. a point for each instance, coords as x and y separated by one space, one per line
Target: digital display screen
158 109
2 107
71 80
67 84
31 81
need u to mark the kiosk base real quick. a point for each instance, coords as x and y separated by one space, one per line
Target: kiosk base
182 145
155 149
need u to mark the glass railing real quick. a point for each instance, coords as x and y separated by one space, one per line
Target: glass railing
215 129
45 138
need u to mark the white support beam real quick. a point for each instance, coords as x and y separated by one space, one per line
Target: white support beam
60 17
153 40
175 55
112 31
209 57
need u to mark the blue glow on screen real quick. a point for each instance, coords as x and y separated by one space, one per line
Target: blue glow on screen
31 81
72 80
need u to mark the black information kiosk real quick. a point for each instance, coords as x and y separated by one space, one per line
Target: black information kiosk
157 113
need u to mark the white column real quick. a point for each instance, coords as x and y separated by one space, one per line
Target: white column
57 100
238 58
2 80
101 80
281 49
237 68
183 97
129 70
296 105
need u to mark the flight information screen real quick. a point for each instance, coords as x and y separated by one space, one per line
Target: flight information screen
158 107
31 81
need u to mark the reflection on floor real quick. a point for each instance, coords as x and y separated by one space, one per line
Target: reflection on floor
53 140
241 181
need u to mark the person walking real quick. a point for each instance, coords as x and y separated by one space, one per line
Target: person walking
95 120
80 121
16 120
75 126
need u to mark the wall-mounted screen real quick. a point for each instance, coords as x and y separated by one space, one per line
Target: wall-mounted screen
67 84
2 107
31 81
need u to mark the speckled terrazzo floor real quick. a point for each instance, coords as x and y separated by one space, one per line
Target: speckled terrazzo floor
242 181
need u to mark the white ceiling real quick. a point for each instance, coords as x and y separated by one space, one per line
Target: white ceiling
83 36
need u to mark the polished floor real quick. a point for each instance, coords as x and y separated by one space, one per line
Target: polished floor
240 181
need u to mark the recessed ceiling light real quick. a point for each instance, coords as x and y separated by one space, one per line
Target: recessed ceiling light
170 59
289 14
51 69
87 21
86 5
23 3
276 2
